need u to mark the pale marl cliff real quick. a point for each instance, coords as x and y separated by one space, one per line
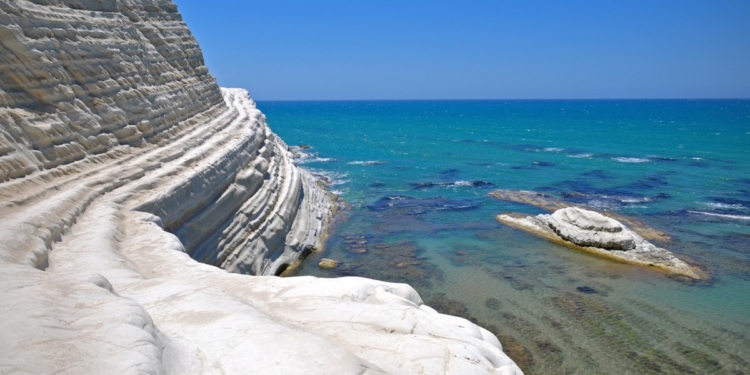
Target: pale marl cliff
121 162
77 88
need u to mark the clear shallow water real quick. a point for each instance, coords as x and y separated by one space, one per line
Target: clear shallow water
681 166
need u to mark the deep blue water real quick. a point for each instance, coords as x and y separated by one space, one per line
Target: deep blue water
417 176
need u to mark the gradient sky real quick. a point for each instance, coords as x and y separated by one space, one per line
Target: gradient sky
493 49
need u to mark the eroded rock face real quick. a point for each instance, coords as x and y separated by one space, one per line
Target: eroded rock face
82 77
84 83
589 228
121 163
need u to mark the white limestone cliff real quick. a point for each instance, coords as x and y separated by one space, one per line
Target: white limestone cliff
122 165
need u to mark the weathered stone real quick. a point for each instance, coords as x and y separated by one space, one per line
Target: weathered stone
328 263
589 228
357 250
603 236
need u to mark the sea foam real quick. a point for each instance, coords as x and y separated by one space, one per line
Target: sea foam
366 162
723 206
737 217
315 160
631 160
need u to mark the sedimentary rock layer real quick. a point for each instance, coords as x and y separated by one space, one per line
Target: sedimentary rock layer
95 84
121 164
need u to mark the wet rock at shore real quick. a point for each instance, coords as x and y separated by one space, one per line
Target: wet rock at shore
397 262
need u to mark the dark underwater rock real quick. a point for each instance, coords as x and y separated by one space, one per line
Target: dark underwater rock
586 289
449 174
544 164
598 174
418 206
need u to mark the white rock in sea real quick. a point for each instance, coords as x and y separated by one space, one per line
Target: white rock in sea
121 162
603 236
589 228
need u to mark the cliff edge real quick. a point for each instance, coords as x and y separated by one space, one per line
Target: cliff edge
121 164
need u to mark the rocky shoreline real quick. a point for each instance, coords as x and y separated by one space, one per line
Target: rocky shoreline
138 199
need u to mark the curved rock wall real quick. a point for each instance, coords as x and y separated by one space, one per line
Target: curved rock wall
82 77
122 161
82 80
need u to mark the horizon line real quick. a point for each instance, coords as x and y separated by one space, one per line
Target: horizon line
496 99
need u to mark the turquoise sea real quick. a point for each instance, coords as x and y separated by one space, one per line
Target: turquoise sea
416 177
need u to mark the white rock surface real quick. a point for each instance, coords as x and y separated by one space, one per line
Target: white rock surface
112 91
120 159
589 228
601 235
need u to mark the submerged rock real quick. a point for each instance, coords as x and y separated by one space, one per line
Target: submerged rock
601 235
586 289
328 263
357 250
418 206
543 164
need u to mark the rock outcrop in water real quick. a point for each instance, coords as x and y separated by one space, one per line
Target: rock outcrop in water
551 204
589 228
121 163
601 235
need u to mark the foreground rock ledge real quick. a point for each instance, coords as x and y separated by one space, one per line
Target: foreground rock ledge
603 236
121 163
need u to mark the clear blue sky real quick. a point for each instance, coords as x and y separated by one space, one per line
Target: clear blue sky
493 49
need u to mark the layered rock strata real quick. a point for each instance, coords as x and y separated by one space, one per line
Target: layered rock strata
122 162
601 235
90 85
